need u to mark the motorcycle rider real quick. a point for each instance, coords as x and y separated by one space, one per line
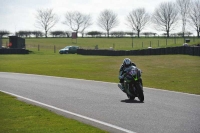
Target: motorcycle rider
126 63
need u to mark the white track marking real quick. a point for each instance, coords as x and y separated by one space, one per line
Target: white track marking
71 113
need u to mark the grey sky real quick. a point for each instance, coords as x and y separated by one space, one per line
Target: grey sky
18 15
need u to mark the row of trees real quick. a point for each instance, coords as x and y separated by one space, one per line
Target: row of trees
165 18
23 33
90 33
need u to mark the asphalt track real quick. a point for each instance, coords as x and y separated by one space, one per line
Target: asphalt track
103 105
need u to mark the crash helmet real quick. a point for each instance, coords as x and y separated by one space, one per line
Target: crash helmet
126 62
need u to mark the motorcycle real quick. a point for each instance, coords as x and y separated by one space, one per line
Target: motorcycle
133 86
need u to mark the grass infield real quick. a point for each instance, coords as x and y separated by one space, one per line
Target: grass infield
19 117
170 72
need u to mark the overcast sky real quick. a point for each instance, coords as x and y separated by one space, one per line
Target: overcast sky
16 15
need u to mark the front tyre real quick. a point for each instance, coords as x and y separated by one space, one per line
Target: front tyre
131 97
140 92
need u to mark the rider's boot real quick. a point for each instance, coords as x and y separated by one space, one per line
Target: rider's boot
121 86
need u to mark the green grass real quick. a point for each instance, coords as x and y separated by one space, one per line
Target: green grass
17 116
170 72
105 43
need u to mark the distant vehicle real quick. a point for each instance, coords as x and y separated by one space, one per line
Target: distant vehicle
69 49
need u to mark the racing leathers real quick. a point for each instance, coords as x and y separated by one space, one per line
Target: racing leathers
121 72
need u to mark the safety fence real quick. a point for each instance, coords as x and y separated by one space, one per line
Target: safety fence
188 50
106 43
50 48
195 50
14 51
28 48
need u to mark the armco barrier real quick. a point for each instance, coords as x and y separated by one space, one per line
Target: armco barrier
14 51
159 51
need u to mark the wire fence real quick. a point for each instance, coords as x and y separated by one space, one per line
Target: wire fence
114 43
40 47
1 42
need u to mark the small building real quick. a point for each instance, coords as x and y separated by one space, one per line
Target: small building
16 42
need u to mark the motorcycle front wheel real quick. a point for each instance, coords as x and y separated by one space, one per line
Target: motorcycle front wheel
140 92
130 97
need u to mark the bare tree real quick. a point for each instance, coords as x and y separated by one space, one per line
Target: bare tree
87 23
165 17
107 20
76 21
195 16
184 9
46 19
137 19
68 33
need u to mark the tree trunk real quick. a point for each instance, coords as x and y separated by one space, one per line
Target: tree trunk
46 34
138 34
183 34
108 33
167 34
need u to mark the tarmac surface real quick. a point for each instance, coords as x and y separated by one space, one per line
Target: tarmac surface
105 106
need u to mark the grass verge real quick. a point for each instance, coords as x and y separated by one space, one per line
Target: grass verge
17 116
106 43
171 72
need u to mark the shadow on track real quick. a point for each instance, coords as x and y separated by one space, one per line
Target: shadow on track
130 101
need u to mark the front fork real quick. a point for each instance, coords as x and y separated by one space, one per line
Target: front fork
127 88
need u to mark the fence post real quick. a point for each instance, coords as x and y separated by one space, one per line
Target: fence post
175 40
38 47
132 41
142 44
